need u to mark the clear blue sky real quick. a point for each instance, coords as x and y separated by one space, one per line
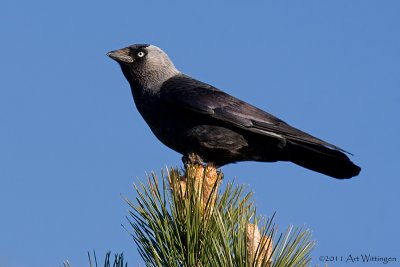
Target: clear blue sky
71 140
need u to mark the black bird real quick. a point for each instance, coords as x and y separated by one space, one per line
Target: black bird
208 125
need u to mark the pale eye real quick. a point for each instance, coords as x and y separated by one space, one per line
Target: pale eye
140 54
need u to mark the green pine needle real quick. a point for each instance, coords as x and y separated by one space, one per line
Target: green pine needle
174 226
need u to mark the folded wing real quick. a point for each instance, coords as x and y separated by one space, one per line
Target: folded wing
200 97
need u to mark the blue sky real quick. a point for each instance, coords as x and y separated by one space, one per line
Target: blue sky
71 140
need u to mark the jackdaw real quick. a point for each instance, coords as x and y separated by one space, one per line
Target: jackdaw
207 125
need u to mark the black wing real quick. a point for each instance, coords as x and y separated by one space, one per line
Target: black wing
203 98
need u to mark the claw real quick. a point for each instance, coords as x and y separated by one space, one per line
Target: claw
193 159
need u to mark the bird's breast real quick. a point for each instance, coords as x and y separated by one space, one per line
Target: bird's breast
169 124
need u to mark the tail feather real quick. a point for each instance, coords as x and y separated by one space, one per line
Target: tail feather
321 159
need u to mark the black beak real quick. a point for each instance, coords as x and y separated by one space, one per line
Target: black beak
121 55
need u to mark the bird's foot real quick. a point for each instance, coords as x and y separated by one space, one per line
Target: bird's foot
192 159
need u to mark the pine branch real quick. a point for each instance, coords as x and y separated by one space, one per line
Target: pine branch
118 261
187 220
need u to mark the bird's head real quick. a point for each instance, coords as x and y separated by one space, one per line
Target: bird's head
143 65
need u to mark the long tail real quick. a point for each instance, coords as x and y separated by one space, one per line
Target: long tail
321 159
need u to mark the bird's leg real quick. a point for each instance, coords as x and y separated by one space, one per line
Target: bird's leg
192 159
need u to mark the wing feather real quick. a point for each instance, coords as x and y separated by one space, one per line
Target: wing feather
203 98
